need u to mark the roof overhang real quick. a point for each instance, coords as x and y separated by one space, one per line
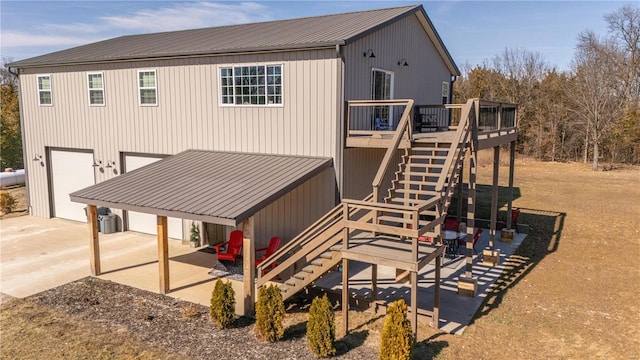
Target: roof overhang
216 187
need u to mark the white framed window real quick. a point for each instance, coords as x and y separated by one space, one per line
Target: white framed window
147 88
251 85
445 92
44 90
95 84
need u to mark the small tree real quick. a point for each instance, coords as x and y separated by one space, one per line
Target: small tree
223 304
321 328
397 336
269 314
7 202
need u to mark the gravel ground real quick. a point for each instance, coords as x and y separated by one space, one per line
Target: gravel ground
160 321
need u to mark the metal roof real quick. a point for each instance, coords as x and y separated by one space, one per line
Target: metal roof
302 33
217 187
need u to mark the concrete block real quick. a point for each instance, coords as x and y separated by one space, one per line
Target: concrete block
507 236
467 286
490 258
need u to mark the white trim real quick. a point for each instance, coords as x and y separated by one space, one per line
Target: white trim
265 64
155 81
89 89
50 90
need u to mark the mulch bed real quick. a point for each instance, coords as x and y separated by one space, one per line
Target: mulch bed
160 321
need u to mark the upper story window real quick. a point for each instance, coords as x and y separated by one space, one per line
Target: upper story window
147 87
251 85
44 90
96 89
445 92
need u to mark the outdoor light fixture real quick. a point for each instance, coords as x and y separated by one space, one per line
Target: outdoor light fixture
97 163
37 158
369 53
403 62
110 164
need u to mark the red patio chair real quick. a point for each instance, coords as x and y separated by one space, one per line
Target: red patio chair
476 236
274 245
233 249
451 223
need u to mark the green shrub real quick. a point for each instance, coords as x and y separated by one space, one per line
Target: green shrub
321 328
269 313
397 336
223 304
7 202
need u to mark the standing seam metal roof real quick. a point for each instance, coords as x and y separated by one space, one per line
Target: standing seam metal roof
309 32
217 187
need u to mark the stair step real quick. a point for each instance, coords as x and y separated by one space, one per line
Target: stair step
290 282
316 262
413 182
414 165
336 248
416 192
326 255
299 276
309 268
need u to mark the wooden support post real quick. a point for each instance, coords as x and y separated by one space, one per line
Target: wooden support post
94 245
345 296
494 197
163 254
374 282
414 304
471 209
512 160
460 189
248 263
436 296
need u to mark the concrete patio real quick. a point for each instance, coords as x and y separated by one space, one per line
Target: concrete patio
38 254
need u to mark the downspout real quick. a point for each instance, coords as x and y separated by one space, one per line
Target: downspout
341 126
22 137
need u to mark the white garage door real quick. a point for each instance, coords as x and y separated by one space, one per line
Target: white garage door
147 223
70 171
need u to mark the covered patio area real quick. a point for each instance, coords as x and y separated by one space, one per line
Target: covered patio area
215 187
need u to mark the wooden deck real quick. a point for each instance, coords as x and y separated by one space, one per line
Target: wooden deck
383 250
486 139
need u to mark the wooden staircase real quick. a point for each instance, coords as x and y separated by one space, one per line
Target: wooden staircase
415 205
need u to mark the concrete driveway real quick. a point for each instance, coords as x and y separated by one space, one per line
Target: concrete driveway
37 254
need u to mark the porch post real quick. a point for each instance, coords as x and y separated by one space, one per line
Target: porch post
436 295
460 189
248 263
512 160
94 245
414 303
374 282
491 257
163 254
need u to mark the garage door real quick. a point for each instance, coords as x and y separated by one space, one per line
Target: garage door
70 171
147 223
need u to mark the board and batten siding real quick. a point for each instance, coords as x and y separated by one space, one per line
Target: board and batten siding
404 39
295 211
188 114
421 81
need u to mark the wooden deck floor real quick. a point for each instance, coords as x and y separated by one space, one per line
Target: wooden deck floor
391 252
486 139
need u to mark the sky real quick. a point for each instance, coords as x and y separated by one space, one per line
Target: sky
473 31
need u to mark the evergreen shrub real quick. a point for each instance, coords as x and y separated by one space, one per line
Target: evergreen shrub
321 328
397 336
223 304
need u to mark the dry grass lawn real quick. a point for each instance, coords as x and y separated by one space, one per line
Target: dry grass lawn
571 292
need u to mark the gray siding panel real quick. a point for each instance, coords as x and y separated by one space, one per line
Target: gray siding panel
188 115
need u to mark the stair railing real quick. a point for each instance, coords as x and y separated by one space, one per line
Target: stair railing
305 245
404 126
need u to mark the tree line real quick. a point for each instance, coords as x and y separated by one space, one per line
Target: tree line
589 113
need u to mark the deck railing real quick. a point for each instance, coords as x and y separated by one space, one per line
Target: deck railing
375 117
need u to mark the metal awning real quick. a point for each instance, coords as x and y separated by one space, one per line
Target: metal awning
216 187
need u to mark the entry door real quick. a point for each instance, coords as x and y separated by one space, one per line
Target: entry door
147 223
382 89
70 171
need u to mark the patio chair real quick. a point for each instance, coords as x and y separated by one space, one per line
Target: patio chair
476 236
514 220
451 223
233 249
274 245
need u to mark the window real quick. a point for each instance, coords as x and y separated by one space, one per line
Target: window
251 85
445 92
44 90
382 89
96 89
147 87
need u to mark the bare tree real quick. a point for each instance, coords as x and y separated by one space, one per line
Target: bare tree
624 27
596 92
